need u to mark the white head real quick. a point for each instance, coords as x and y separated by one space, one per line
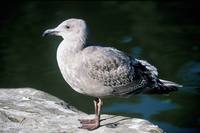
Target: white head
71 29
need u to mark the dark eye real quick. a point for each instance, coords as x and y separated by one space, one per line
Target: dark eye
67 26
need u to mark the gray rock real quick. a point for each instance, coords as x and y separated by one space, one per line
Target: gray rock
26 110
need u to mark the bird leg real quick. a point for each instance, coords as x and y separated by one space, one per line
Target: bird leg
90 121
92 124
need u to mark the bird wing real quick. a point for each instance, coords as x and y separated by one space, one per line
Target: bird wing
115 69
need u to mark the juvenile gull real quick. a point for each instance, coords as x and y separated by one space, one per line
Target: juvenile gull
102 71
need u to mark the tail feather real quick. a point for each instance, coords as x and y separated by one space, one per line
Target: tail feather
170 83
164 87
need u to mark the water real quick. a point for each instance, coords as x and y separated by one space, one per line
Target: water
165 34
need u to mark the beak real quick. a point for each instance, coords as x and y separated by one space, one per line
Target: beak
50 32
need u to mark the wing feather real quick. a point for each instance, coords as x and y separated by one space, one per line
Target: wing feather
115 69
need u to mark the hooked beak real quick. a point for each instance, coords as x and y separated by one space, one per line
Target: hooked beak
50 32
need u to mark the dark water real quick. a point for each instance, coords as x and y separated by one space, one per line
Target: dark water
165 34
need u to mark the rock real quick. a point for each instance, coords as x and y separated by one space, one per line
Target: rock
26 110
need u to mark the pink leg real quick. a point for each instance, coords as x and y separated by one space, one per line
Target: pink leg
91 124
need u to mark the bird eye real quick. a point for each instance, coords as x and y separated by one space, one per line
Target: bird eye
67 26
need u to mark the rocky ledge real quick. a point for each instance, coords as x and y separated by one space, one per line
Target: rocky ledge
26 110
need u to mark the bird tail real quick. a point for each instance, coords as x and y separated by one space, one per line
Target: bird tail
164 87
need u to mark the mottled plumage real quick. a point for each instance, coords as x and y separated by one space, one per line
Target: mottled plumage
115 69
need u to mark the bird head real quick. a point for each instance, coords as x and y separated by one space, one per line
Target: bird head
71 29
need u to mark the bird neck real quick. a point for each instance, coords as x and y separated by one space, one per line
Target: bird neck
72 46
66 52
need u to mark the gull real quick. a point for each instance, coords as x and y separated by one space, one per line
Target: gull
102 72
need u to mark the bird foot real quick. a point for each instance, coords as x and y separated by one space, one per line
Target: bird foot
89 124
87 121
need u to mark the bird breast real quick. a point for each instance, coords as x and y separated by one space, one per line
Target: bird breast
68 67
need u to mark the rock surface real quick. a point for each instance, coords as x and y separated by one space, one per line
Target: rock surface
26 110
